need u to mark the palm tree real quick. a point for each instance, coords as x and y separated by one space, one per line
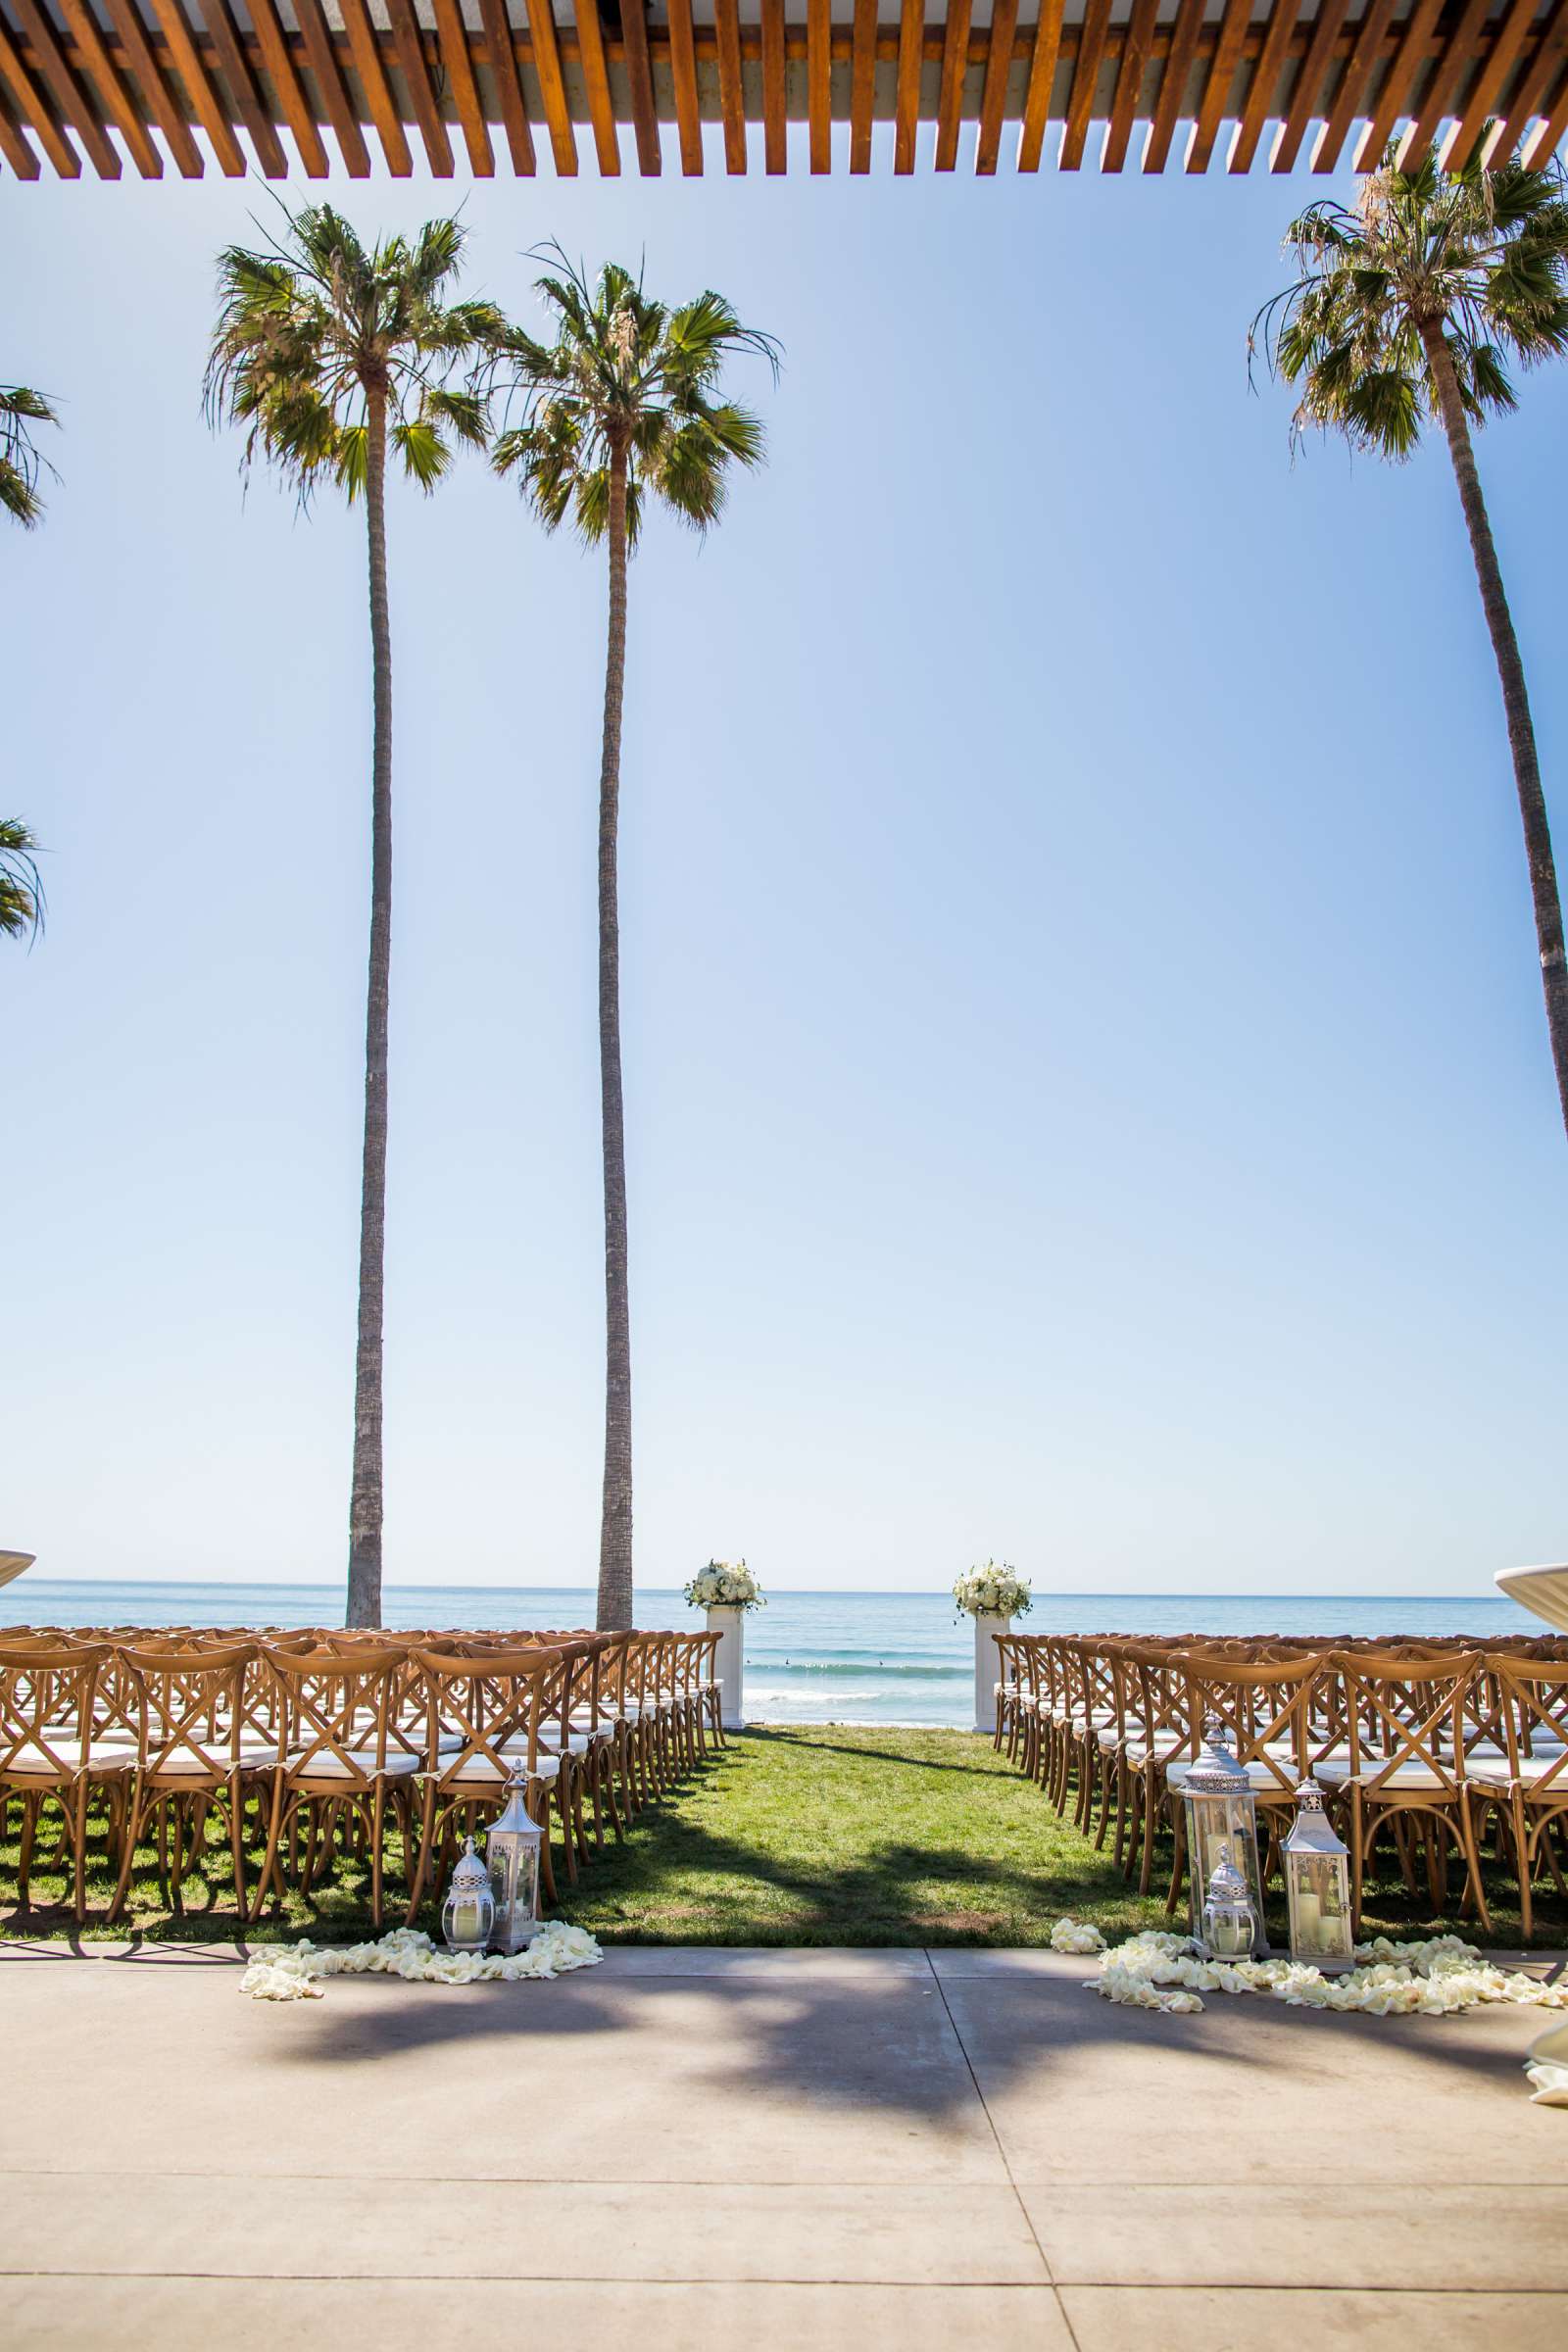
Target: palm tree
22 465
1410 308
624 406
20 891
326 353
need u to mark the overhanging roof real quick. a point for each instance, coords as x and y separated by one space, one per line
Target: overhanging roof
292 86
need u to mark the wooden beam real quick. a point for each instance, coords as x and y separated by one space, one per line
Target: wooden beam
639 74
243 95
1543 146
862 83
819 82
1173 83
1537 82
1259 108
683 74
732 89
126 19
600 112
954 65
1354 82
1440 96
1042 80
1490 83
366 52
13 146
408 40
37 109
198 86
328 76
73 99
1085 83
298 112
907 103
1395 95
994 94
451 47
1214 104
112 95
552 87
1135 51
775 145
1306 99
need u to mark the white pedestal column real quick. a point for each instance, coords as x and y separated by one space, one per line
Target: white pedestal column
987 1671
731 1664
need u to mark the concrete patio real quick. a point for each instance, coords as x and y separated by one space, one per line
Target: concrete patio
893 2151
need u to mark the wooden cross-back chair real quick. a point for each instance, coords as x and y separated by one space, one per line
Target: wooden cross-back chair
196 1749
345 1761
1407 1769
48 1750
1523 1786
484 1725
1262 1709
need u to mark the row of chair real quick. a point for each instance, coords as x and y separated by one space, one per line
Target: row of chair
1425 1750
306 1746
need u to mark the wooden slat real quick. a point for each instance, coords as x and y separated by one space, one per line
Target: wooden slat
1173 83
1354 83
70 95
1395 96
1502 58
1042 76
1538 79
862 83
243 95
408 40
1306 99
1441 97
906 105
198 86
994 94
640 77
298 112
775 145
112 95
365 51
136 50
731 89
683 74
1085 82
600 112
954 60
1259 107
1213 105
819 82
328 76
1543 146
552 87
1135 49
451 47
13 146
37 109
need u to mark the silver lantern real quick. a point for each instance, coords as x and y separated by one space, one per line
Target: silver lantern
469 1909
1229 1923
1317 1886
513 1844
1217 1795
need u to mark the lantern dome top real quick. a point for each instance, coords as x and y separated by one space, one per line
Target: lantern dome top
1226 1885
471 1873
1216 1772
1311 1831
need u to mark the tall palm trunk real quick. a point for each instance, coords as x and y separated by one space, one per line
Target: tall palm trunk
615 1534
365 1498
1516 703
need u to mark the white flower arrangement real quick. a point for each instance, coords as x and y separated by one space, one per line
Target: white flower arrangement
994 1590
1432 1979
291 1974
725 1585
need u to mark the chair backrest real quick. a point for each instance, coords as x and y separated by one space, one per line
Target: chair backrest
193 1707
336 1711
1533 1696
46 1705
495 1704
1404 1712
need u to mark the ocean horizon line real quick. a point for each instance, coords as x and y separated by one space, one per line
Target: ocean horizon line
1164 1593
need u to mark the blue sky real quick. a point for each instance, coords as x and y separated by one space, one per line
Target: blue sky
1086 1082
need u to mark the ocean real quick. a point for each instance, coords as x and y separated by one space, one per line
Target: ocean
810 1657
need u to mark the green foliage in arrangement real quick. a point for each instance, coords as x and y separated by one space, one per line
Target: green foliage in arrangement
22 464
824 1834
1479 256
311 330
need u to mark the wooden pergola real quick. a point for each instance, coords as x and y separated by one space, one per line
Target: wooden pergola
1136 84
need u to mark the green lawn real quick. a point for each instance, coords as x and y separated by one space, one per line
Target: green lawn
817 1836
